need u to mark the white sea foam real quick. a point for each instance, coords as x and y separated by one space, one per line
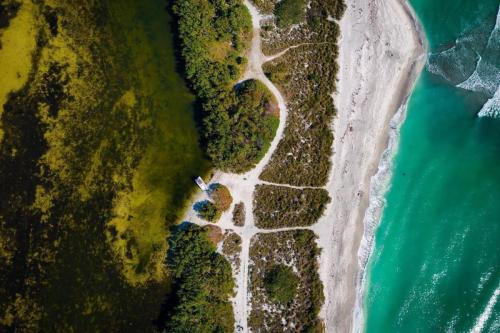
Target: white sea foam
496 31
485 78
378 187
492 107
486 314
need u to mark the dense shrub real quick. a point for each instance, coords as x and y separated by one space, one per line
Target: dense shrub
289 12
212 34
240 126
281 283
202 286
280 206
222 197
239 214
208 211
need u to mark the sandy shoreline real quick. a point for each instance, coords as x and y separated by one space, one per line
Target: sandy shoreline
382 52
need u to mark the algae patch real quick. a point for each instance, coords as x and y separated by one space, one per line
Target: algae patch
18 42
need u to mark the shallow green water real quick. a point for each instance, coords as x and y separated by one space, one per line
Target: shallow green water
436 261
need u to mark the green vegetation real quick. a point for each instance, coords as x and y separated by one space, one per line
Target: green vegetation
97 159
238 121
279 206
296 253
231 248
213 35
239 214
302 157
209 211
203 284
289 12
240 127
281 284
221 196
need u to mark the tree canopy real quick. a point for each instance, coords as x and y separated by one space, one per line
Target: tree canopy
239 120
202 283
281 284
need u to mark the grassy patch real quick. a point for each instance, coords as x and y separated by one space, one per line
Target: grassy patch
284 260
240 126
278 206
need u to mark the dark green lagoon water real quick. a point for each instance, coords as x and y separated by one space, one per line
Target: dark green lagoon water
435 265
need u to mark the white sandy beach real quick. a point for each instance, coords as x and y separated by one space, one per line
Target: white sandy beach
381 55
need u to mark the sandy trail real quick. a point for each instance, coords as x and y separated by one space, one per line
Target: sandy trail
381 55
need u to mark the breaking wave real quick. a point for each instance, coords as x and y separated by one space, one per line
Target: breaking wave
378 187
473 64
492 107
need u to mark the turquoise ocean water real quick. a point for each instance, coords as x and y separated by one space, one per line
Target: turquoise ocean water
435 265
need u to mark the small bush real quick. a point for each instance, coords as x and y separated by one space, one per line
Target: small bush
222 197
289 12
239 214
209 212
231 248
281 284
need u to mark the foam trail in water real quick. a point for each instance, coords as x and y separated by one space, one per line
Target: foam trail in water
486 76
486 314
378 187
492 107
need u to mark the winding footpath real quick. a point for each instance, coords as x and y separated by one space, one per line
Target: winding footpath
242 186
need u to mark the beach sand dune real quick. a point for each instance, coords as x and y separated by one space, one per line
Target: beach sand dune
381 54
